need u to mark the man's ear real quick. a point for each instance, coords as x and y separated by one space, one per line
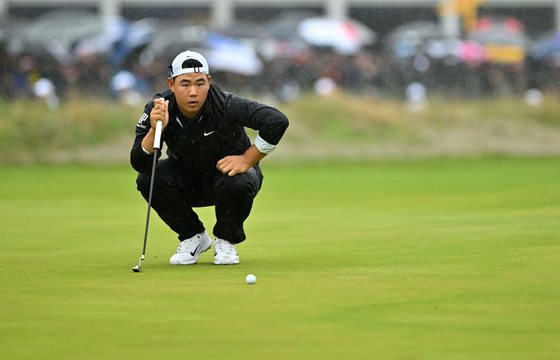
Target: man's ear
171 84
209 78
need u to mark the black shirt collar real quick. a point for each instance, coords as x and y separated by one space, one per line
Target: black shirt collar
188 120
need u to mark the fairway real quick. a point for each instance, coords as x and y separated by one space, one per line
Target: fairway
430 259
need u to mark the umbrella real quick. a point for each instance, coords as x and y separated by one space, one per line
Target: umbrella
406 40
229 54
222 52
345 36
244 30
285 27
119 39
548 47
283 40
58 31
254 35
114 30
64 27
15 43
168 42
416 32
493 30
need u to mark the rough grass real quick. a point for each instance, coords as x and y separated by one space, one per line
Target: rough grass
29 130
339 126
342 126
440 259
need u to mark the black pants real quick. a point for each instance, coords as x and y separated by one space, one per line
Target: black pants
177 190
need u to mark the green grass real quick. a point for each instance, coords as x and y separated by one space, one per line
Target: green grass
436 259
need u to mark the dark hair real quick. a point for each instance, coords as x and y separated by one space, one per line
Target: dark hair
188 64
191 63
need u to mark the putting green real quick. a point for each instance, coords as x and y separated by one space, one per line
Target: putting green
438 259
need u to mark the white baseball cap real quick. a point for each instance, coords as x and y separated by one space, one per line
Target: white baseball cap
177 64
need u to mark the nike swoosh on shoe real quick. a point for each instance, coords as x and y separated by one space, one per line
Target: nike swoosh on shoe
194 252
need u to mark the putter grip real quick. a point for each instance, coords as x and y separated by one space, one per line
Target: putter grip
157 138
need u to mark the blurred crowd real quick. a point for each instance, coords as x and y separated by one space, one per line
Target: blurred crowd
412 63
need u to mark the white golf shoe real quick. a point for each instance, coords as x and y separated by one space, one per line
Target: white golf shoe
190 249
225 252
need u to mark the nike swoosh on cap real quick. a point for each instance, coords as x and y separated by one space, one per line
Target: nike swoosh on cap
209 133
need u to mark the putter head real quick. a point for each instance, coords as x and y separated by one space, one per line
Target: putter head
138 267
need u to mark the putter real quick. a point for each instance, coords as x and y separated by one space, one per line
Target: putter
157 139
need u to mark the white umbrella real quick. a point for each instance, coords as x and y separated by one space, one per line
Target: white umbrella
345 36
229 54
222 52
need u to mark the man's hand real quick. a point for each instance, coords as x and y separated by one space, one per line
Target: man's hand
232 165
238 164
159 112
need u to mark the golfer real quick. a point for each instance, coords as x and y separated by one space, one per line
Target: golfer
211 161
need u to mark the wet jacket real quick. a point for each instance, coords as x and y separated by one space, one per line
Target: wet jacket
218 132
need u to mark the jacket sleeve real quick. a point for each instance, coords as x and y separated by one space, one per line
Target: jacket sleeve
139 159
269 121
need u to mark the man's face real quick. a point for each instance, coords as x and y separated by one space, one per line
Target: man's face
190 90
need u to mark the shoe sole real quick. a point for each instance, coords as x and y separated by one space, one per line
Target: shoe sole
196 256
228 262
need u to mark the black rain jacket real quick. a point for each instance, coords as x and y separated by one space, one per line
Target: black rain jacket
220 131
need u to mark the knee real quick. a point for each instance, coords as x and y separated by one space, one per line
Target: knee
238 185
143 183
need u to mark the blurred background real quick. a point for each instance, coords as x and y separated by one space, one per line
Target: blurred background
408 51
120 48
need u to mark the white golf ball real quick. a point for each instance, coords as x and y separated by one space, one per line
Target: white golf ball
251 279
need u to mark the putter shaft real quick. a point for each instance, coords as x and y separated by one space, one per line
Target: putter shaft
139 267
